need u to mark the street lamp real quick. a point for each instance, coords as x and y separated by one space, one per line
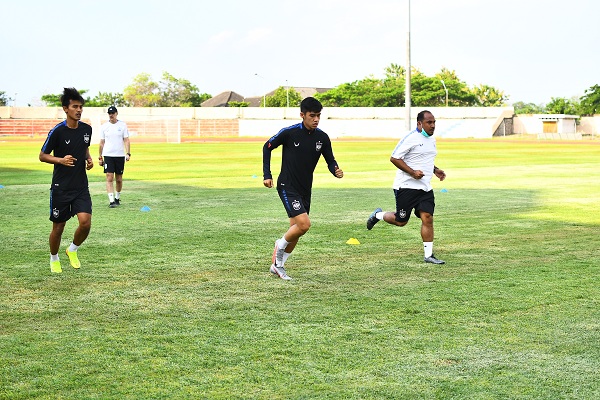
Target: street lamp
287 93
264 95
446 89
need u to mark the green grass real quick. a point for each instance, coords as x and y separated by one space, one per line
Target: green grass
178 303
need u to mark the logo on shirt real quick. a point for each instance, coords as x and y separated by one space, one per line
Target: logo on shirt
86 138
296 144
68 141
296 205
55 213
319 145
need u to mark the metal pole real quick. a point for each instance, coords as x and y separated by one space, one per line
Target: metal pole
407 77
444 85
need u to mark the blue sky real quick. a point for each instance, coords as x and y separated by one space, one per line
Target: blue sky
530 49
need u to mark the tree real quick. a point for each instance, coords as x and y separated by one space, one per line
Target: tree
281 96
143 92
528 108
179 93
238 104
590 101
107 99
3 99
559 105
487 96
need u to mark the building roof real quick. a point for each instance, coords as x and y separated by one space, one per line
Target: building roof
222 99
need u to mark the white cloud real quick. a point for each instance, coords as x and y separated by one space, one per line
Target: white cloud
221 37
258 35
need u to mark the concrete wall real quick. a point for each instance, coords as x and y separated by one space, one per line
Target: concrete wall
341 122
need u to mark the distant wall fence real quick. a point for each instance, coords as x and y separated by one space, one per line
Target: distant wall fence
202 123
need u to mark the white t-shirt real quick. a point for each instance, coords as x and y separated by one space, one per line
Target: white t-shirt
418 152
113 135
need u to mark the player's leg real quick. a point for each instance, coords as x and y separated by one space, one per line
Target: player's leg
400 217
59 215
119 167
109 171
297 208
82 207
425 211
118 188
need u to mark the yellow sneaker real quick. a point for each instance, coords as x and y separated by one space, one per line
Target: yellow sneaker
73 259
55 267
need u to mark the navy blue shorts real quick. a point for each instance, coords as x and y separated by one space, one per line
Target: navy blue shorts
294 203
66 203
409 199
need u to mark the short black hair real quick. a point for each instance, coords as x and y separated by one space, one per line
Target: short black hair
421 115
70 94
310 104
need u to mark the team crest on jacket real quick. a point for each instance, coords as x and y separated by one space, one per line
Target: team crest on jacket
296 205
86 138
319 145
55 213
402 214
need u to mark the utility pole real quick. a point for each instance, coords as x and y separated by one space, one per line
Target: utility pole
407 77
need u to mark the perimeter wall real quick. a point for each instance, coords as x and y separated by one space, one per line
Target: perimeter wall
200 123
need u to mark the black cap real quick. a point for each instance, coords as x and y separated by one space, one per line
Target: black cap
112 109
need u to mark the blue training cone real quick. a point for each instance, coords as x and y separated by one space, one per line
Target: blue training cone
145 208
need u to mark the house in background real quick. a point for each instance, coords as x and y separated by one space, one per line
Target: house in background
222 99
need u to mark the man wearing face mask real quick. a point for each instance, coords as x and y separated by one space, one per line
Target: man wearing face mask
414 157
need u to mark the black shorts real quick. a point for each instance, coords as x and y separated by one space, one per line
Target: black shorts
66 203
114 165
294 203
409 199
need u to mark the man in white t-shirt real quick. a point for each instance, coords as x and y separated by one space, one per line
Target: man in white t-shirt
114 151
414 157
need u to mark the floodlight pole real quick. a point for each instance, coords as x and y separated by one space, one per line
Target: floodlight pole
264 95
407 74
446 89
287 93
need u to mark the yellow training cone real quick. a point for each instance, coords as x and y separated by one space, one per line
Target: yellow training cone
352 241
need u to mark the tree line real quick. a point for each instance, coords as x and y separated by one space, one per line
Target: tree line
441 89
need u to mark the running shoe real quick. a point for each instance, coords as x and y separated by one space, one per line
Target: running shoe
280 272
433 260
372 219
55 267
73 259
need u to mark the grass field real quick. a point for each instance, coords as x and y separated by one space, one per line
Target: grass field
178 303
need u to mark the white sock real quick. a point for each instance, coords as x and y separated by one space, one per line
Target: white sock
111 197
428 247
282 243
380 215
118 195
54 257
73 247
286 256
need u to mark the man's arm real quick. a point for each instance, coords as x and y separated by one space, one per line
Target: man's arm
67 160
400 164
127 149
100 148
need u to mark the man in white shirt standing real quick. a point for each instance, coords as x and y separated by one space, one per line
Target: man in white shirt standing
114 151
414 157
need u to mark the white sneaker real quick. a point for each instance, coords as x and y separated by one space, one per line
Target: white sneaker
280 272
277 258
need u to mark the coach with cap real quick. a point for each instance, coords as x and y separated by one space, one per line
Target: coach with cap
114 151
